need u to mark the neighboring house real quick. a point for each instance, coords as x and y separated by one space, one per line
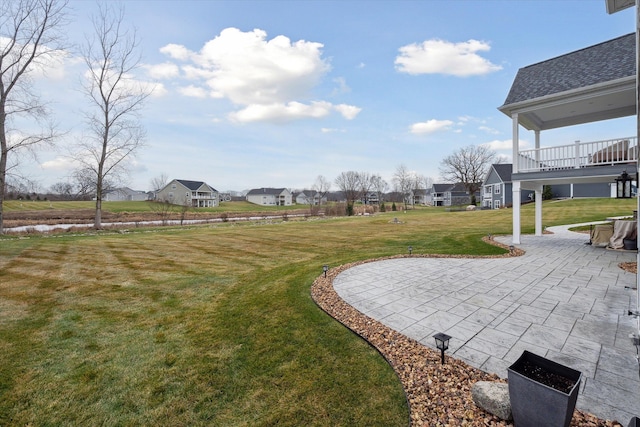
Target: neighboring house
419 196
497 189
456 195
125 194
371 198
310 197
435 194
588 85
196 194
270 197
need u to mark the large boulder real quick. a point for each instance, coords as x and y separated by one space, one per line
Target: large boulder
472 207
493 397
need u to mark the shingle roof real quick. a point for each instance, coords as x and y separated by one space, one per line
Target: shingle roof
607 61
440 188
193 185
504 171
269 191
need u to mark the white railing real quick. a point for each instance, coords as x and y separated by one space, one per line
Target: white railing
202 196
579 155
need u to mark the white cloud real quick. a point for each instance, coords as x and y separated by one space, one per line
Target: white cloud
442 57
165 70
193 91
505 144
279 113
487 129
272 80
58 164
176 51
430 126
349 112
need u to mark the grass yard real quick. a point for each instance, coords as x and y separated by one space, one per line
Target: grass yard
214 325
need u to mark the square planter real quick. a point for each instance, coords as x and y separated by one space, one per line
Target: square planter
542 392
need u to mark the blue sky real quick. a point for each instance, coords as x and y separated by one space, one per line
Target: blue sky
272 94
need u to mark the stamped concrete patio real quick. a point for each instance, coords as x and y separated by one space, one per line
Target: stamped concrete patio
563 299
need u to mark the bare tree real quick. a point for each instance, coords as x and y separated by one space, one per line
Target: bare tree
321 187
115 99
468 165
349 184
379 186
159 182
365 186
63 188
30 33
403 181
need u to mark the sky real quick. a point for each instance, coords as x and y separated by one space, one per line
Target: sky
251 94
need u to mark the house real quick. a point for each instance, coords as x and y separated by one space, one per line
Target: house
588 85
448 195
435 194
497 191
196 194
419 196
270 197
310 197
457 195
124 194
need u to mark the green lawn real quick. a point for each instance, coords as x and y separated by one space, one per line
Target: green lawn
213 325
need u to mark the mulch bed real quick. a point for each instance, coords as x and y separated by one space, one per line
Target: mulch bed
438 395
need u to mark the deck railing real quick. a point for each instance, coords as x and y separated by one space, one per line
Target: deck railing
579 155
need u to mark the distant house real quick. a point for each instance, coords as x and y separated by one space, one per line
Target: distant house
435 194
497 190
448 195
309 197
124 194
196 194
419 196
270 197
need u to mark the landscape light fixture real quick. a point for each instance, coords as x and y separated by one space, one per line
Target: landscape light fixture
325 268
442 343
511 249
623 186
410 249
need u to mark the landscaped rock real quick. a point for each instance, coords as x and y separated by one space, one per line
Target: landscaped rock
493 397
471 207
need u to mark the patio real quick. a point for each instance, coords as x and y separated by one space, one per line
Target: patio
563 300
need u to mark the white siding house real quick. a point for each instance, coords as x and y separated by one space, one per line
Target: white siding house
196 194
270 197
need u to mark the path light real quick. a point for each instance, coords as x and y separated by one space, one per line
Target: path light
325 268
511 249
442 342
410 249
489 236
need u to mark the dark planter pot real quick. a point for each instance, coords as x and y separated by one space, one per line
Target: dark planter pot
635 421
534 403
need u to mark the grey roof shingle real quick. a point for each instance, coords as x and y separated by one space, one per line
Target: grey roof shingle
192 185
270 191
504 171
603 62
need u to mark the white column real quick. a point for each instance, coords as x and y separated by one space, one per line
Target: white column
638 159
516 212
515 185
515 142
538 199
